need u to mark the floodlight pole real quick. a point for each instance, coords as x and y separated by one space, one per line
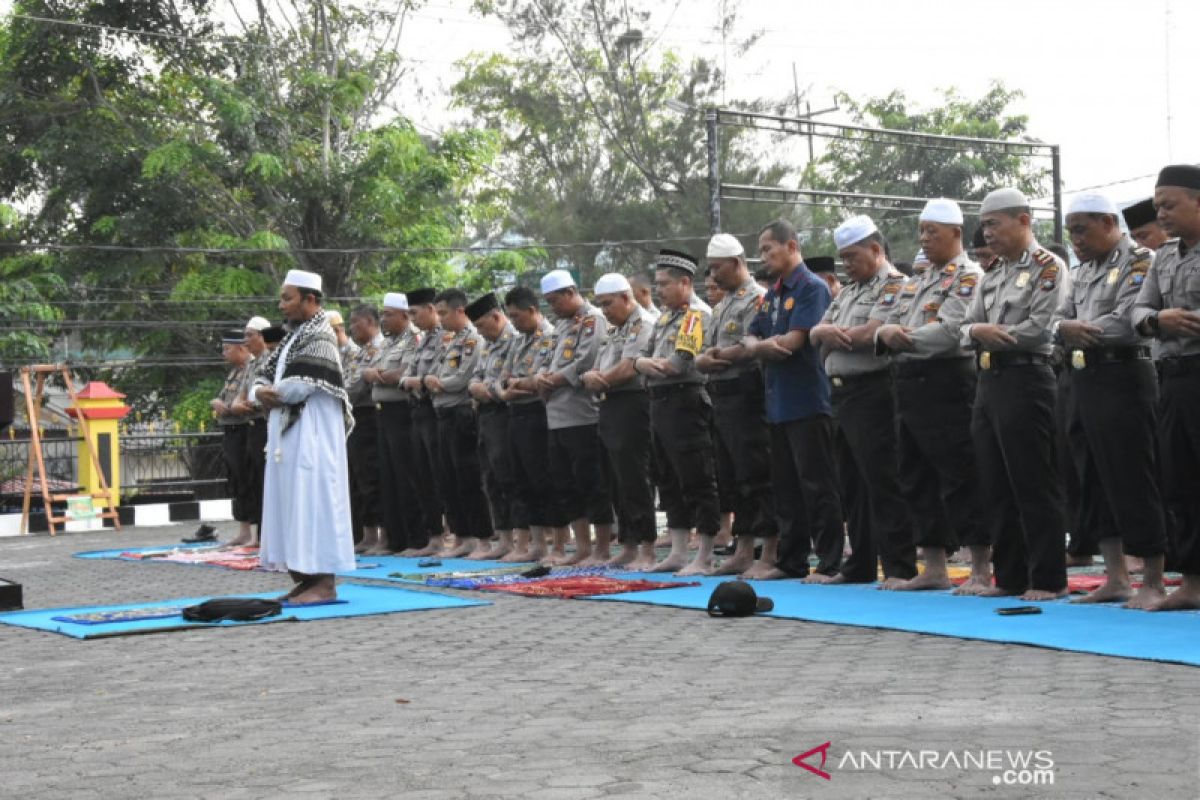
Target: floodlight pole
714 171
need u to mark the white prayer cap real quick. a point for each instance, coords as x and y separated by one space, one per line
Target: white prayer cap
396 300
303 280
556 279
258 324
723 245
853 231
1002 199
1092 203
335 318
943 210
612 283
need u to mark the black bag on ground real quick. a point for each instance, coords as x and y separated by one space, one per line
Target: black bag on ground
238 609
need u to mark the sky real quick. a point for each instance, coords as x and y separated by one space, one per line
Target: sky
1110 82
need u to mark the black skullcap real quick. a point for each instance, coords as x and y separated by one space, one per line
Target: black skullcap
273 334
421 297
820 264
234 336
977 239
482 306
675 259
1185 176
1140 214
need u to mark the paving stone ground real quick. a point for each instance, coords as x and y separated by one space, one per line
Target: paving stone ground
548 700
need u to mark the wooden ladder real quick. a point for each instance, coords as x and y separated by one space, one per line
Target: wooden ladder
34 393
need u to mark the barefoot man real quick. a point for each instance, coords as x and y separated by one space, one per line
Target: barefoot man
306 502
934 383
1168 309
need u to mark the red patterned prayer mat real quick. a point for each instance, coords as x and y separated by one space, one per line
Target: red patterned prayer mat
239 558
582 586
1084 582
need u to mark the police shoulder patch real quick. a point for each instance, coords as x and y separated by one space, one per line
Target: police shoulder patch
1043 257
1048 278
966 285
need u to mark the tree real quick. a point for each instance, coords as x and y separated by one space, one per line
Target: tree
592 150
882 164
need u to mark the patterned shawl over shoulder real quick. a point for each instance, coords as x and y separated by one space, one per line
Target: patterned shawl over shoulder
313 358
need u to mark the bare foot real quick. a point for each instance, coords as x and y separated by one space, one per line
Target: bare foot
893 584
1179 600
517 556
1135 564
733 566
663 541
1042 595
670 564
627 557
362 547
991 591
1080 561
772 574
977 586
481 553
926 581
463 549
699 566
756 569
1147 597
1111 592
378 550
431 549
315 594
819 578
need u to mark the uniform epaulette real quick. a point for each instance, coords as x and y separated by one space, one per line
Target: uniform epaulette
1043 257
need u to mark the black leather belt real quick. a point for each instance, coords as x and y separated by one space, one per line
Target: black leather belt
920 368
1173 366
658 392
1092 356
992 360
846 381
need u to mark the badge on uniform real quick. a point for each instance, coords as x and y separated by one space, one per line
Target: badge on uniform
448 336
741 292
949 269
1138 271
568 354
909 289
731 327
888 298
947 283
1113 275
1022 280
470 347
789 304
1078 359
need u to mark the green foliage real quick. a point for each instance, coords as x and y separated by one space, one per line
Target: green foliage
192 411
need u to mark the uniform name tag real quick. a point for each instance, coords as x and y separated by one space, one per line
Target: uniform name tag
1022 280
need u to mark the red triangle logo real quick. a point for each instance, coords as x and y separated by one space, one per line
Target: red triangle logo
823 749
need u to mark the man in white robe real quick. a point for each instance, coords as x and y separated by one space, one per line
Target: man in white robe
306 527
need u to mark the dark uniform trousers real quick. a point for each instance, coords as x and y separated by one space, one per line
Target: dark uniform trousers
528 444
1083 541
362 453
239 472
1012 425
1113 440
579 485
496 460
460 478
743 453
807 502
936 455
681 420
256 456
625 436
1179 452
425 468
877 518
397 491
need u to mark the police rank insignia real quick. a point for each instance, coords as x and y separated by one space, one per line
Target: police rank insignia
1022 280
909 289
1048 279
469 347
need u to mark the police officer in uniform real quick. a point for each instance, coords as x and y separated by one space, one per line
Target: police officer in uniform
803 470
398 480
933 378
1012 423
681 416
1168 309
577 474
425 538
1144 228
460 478
864 408
362 446
234 434
528 435
256 421
485 387
735 383
624 424
1114 394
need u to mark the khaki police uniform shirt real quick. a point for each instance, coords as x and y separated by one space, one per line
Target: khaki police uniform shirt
576 346
455 365
1172 282
1021 295
855 305
248 374
731 320
678 336
397 353
490 369
358 390
932 305
426 357
1103 293
230 391
626 341
528 356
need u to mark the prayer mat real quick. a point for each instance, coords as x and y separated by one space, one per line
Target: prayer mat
428 578
582 586
354 600
244 559
385 568
1102 629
